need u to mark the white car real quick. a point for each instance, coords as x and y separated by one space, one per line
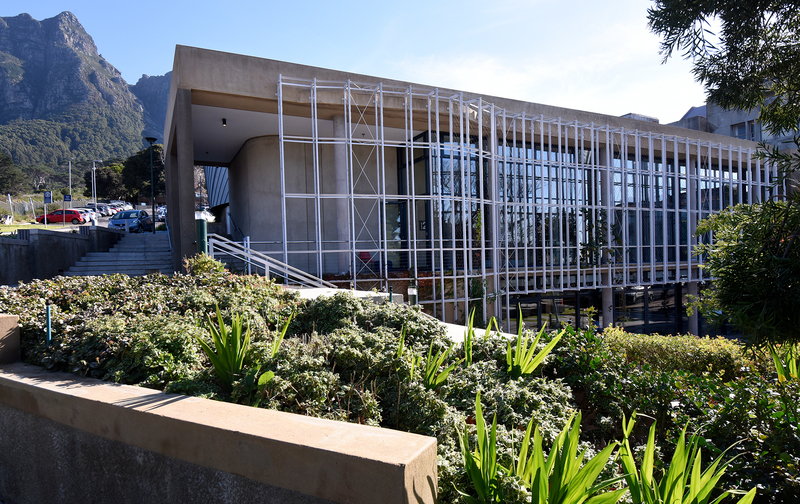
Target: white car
88 213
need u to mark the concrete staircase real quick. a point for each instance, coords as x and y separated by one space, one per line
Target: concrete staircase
134 255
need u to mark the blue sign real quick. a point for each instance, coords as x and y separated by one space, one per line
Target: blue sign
67 197
48 196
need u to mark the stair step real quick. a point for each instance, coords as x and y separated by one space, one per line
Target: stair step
129 272
129 255
119 267
133 255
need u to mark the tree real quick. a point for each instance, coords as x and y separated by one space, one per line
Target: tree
108 182
753 62
756 272
40 177
12 180
136 173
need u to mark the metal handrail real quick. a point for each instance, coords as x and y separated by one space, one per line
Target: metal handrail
169 234
270 265
235 227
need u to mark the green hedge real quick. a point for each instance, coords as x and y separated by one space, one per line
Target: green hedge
688 353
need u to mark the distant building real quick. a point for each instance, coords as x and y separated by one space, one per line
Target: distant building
484 202
641 117
742 124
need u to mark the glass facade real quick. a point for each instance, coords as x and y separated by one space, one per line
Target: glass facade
491 208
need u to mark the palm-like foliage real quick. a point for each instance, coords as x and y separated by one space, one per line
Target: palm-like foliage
481 464
789 369
469 336
230 348
684 482
524 359
562 478
276 343
434 378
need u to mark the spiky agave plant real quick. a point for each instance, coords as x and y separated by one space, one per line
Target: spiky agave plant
230 347
685 482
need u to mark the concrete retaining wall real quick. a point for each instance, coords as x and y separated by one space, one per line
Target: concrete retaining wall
68 439
41 253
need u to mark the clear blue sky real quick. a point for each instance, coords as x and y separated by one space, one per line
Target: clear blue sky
583 54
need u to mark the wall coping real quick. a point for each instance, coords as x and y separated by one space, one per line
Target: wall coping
13 241
333 460
26 233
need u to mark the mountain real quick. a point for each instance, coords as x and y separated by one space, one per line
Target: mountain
153 93
60 99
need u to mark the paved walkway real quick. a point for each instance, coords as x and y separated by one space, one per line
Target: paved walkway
454 332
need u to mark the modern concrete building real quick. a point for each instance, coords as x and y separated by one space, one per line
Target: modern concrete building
481 201
743 124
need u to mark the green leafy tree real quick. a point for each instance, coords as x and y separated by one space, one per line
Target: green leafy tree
756 270
12 180
136 173
40 177
753 62
81 131
108 180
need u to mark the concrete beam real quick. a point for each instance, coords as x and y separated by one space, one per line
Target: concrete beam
324 459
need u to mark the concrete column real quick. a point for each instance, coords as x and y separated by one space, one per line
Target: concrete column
608 306
607 310
180 180
342 187
9 339
694 319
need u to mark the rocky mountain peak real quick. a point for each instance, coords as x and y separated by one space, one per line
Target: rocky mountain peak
56 88
47 66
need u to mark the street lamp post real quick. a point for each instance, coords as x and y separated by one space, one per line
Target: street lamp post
150 140
70 182
94 188
94 182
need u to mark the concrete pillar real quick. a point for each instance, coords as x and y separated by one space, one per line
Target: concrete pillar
694 319
180 180
608 306
342 187
9 339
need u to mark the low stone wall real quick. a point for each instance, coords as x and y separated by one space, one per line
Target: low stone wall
41 253
68 439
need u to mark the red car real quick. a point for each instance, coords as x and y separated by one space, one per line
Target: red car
67 215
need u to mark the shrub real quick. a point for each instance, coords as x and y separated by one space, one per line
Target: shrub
681 353
202 264
340 359
136 351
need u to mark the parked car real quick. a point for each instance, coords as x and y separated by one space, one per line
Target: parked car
68 215
137 221
123 205
101 208
87 213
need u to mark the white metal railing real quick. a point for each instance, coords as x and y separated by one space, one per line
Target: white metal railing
219 246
